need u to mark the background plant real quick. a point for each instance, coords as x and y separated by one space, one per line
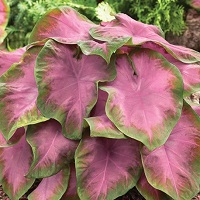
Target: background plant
167 14
94 110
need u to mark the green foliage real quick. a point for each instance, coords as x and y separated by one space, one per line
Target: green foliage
25 14
167 14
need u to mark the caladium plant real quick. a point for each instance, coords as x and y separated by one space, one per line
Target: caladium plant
94 110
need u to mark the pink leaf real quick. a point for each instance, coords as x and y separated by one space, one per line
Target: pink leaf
18 94
124 26
63 24
51 149
190 71
145 103
174 167
14 139
51 188
100 125
14 163
71 193
149 192
8 58
106 168
68 85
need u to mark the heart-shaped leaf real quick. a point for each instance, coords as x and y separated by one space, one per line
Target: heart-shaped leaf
51 188
15 162
8 58
18 95
149 192
100 125
51 150
106 168
178 159
124 26
145 102
68 85
76 26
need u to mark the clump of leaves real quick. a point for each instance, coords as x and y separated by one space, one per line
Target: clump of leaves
94 110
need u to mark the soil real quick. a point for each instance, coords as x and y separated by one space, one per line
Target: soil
191 36
132 194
